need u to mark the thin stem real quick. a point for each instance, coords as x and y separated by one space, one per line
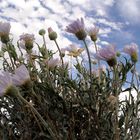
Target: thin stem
138 95
39 116
132 80
71 67
116 123
19 48
90 68
59 52
10 56
98 61
46 50
37 121
129 99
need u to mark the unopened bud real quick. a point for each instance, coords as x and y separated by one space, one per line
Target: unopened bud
118 54
52 34
134 57
42 32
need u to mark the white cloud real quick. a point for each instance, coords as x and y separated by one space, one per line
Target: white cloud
129 10
57 14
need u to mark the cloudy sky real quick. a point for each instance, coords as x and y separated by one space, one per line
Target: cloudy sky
119 20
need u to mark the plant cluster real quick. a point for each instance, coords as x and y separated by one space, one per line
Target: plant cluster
42 99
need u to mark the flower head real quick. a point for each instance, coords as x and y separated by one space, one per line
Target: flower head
107 54
132 50
42 32
53 62
4 31
74 50
52 34
26 41
77 27
21 76
5 83
93 32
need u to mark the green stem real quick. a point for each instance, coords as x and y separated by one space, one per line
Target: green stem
129 100
59 52
39 116
19 48
98 61
132 80
46 50
115 84
138 94
8 47
71 67
90 68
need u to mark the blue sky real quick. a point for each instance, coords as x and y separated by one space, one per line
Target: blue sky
119 20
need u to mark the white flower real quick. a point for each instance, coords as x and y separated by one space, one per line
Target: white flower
5 82
77 27
74 50
21 76
53 62
93 32
26 41
132 50
27 37
4 28
107 54
4 32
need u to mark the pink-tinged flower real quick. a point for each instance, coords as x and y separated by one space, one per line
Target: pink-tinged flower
5 83
107 54
77 27
132 50
93 32
4 31
52 34
5 28
26 41
74 50
53 62
21 76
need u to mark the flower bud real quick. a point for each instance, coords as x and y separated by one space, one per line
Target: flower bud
4 32
118 54
52 34
29 45
132 50
42 32
112 62
93 37
5 38
134 57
